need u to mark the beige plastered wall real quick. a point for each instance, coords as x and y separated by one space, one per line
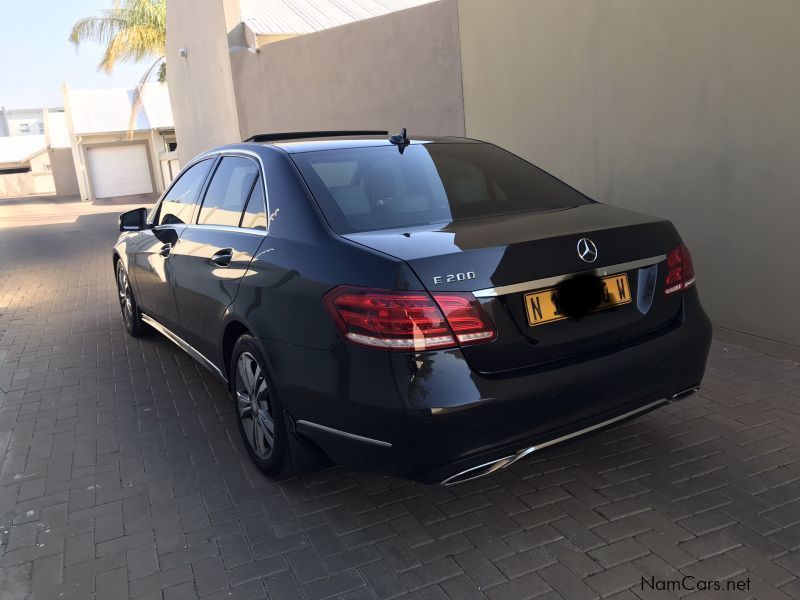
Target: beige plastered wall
393 71
200 84
63 167
686 109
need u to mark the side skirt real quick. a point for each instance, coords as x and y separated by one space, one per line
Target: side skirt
186 347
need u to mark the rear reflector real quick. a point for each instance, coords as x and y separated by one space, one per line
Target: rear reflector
407 321
680 270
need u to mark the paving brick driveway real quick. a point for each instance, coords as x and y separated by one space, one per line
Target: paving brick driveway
123 474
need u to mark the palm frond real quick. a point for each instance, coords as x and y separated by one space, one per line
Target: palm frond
131 30
132 44
149 12
137 99
95 29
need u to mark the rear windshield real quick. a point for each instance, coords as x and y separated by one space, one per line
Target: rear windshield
369 189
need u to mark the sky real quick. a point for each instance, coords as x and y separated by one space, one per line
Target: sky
37 58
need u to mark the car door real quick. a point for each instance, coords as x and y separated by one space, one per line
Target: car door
151 267
215 251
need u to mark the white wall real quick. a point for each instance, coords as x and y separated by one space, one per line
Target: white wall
37 181
16 185
686 109
42 174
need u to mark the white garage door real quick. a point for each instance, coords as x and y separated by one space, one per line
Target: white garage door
119 171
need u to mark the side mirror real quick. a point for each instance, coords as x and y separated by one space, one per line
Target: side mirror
133 220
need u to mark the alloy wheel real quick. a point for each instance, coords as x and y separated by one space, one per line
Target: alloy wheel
125 297
253 405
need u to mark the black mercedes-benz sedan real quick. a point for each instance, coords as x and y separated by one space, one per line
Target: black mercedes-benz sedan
433 308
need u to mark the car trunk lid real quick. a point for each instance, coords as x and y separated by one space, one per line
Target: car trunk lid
503 259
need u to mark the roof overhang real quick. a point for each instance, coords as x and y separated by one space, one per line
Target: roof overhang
30 157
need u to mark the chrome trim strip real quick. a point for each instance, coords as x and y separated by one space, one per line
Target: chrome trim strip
551 281
352 436
507 461
263 178
185 346
212 154
685 393
229 228
616 419
152 212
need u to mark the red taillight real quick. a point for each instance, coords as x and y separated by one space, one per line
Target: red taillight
466 317
680 271
405 321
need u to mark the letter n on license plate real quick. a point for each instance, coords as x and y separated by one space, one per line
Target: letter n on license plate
542 306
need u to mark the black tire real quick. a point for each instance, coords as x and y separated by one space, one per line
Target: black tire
253 393
131 315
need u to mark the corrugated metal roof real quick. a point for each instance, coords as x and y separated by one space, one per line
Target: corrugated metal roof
15 148
108 110
279 17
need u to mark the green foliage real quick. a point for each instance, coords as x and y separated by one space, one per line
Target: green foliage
132 30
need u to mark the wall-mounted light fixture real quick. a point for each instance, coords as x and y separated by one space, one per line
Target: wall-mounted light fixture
182 52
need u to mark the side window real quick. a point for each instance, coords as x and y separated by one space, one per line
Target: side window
227 193
178 205
255 216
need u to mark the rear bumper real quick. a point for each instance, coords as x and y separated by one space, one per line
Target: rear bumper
429 417
487 468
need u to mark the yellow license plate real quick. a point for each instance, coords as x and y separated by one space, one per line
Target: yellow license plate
542 306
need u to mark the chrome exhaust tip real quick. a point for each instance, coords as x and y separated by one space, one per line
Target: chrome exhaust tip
487 468
501 463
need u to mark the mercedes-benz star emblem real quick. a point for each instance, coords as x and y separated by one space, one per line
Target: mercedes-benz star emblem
587 251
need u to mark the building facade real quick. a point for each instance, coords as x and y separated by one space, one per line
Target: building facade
37 164
110 161
23 121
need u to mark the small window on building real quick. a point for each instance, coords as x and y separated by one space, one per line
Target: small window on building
172 146
255 215
24 128
41 127
228 191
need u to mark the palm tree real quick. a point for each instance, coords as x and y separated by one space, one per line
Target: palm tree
133 30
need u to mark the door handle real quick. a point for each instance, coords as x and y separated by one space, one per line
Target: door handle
165 250
222 258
